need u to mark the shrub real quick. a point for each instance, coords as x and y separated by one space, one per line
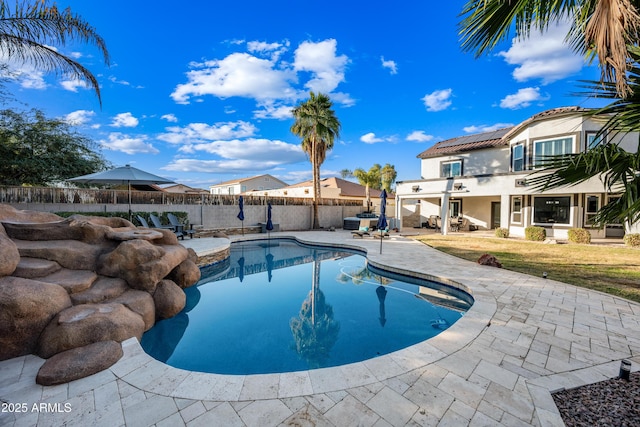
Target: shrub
579 235
502 232
537 234
632 240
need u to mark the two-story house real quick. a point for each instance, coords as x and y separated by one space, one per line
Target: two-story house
242 185
483 178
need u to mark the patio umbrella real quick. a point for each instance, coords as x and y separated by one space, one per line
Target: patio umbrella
269 225
382 221
124 175
241 213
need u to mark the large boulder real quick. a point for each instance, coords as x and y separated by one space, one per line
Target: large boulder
9 213
79 362
185 274
26 308
141 263
169 299
139 302
9 255
71 254
84 324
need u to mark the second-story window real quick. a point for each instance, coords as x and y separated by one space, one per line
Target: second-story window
551 147
592 141
517 158
451 169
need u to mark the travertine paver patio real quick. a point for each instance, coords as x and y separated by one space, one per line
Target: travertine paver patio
524 337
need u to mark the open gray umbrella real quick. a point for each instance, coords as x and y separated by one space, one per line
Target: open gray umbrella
124 175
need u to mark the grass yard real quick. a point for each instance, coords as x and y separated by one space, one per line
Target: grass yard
614 270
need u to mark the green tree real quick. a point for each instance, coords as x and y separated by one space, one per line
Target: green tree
388 176
318 126
28 31
370 179
35 150
346 173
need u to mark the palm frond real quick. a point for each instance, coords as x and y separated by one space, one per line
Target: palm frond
27 31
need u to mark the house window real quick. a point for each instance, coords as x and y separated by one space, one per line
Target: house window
516 209
551 210
517 158
551 147
451 169
591 208
592 141
455 208
230 190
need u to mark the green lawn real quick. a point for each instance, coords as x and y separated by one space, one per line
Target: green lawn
614 270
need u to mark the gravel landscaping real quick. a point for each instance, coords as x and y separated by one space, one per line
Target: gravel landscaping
614 402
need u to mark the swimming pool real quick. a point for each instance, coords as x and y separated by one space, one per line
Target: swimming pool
279 306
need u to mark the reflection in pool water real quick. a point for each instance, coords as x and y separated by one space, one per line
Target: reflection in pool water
269 309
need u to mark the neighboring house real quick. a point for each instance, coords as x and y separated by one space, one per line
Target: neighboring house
483 178
183 189
243 185
332 188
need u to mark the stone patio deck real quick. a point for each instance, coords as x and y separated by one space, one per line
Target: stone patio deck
523 338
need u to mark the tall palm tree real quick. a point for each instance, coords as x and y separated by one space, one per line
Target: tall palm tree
601 28
316 123
388 176
371 179
27 32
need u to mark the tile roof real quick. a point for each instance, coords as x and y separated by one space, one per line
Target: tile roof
348 188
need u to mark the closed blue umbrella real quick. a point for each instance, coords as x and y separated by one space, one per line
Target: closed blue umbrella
382 221
269 225
241 213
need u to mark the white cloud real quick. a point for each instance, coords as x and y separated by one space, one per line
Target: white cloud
170 118
124 120
419 136
521 99
486 128
370 138
79 117
201 132
128 144
73 85
321 60
239 74
391 65
264 75
438 100
113 79
544 55
219 166
269 110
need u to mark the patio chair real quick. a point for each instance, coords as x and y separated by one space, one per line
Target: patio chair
362 231
143 222
158 224
176 223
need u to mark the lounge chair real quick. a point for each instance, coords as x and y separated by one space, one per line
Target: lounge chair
176 223
143 222
158 224
363 229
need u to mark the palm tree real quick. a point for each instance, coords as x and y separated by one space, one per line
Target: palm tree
371 179
28 31
318 126
602 28
346 173
388 176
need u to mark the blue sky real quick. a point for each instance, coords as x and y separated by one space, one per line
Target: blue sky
200 92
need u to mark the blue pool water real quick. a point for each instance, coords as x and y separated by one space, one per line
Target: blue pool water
278 306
